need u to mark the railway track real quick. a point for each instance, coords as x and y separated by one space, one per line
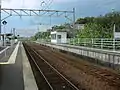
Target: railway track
111 78
93 70
51 77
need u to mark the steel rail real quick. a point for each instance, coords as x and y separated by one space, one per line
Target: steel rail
40 70
56 70
94 72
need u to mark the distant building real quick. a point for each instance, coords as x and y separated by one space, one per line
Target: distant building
58 37
117 35
67 30
49 30
116 32
79 26
5 39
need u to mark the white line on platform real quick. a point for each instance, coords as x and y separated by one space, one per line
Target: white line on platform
13 56
4 50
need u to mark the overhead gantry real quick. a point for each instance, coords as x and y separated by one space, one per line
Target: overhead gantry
37 12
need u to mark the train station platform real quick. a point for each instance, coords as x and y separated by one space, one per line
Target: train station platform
16 72
108 57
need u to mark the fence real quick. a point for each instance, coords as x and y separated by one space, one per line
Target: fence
102 43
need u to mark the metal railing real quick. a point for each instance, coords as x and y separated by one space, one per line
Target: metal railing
101 43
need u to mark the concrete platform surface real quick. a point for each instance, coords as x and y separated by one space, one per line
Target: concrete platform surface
29 81
16 74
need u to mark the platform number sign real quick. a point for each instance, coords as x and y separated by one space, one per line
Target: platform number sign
4 22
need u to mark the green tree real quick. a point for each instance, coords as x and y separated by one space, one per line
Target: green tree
100 27
93 30
42 35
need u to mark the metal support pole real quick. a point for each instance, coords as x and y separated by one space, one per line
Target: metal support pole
74 20
114 44
114 31
0 18
78 41
5 40
50 21
92 42
13 39
101 43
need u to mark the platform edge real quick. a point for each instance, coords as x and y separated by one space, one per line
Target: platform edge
29 80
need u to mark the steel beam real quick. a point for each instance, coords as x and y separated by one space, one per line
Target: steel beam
33 12
37 12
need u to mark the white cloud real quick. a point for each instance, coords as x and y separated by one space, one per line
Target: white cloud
30 31
64 1
30 3
26 32
20 3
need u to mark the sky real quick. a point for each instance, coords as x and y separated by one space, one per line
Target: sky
25 26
